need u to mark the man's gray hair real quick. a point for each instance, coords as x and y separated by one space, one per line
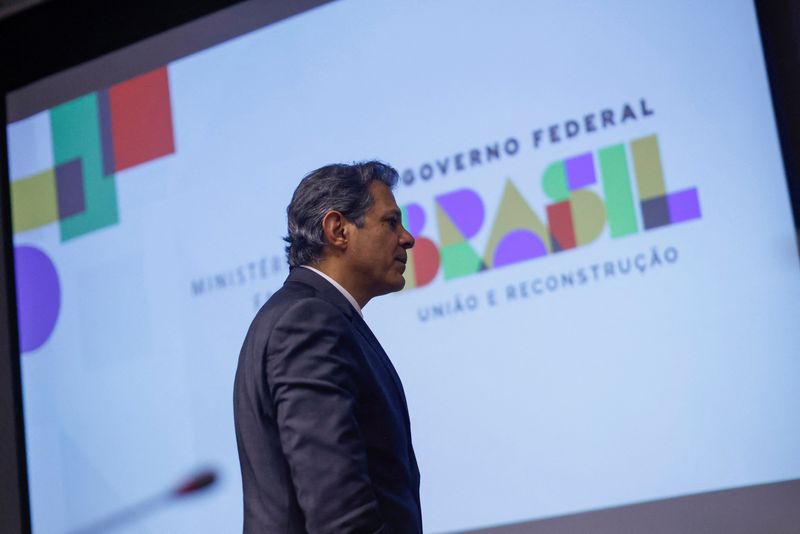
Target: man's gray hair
340 187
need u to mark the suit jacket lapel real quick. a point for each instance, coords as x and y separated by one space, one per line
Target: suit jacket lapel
367 334
335 297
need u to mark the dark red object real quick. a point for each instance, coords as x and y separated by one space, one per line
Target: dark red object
562 231
141 119
196 483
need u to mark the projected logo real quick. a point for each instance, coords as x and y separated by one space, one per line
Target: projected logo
38 297
93 137
576 217
87 141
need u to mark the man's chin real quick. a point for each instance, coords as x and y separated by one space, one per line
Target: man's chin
396 285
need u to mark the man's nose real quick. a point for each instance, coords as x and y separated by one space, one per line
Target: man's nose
406 240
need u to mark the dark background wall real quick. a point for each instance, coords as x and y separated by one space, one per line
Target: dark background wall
780 33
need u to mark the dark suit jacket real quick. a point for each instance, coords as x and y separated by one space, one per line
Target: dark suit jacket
321 420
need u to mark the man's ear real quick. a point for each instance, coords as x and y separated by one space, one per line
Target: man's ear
334 226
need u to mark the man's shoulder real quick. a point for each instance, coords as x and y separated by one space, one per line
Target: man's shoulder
296 302
307 289
288 295
295 309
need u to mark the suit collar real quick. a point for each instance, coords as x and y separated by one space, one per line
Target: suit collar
325 289
338 286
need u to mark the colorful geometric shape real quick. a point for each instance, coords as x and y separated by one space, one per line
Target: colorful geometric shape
588 216
106 133
38 296
465 209
655 212
448 233
424 259
33 201
620 207
408 274
518 245
647 164
460 259
580 171
513 214
562 232
141 119
413 218
554 181
69 184
76 135
683 205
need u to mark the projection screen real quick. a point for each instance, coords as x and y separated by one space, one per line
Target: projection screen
600 309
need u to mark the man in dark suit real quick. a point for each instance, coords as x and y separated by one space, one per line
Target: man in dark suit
321 419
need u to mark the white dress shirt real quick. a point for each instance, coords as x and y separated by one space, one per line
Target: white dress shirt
338 286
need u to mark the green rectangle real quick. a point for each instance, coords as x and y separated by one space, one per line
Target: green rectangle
34 201
459 259
620 207
76 134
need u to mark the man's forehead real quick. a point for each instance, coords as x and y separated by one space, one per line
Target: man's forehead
382 197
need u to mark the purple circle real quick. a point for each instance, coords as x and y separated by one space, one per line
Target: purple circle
518 245
415 219
38 297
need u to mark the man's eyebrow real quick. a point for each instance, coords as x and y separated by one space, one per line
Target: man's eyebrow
393 212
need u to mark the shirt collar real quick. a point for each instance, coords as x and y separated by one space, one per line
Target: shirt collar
338 286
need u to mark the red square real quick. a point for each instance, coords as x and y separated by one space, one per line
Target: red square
141 119
562 231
